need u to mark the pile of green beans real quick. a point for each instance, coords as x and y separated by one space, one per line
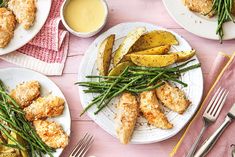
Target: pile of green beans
223 9
134 79
12 119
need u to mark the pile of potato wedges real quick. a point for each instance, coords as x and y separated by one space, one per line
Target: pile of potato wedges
139 48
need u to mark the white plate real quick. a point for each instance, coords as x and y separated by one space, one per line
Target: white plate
143 132
13 76
196 23
22 36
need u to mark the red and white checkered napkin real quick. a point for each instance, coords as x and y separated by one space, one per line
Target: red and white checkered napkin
47 52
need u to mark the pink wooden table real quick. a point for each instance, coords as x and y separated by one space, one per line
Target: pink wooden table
120 11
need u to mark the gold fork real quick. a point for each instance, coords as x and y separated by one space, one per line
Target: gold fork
82 146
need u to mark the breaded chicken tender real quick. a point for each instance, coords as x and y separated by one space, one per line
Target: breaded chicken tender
152 110
173 98
7 26
43 107
24 10
127 112
25 93
200 6
51 133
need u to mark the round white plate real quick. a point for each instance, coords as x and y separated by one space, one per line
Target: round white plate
196 23
22 36
143 132
13 76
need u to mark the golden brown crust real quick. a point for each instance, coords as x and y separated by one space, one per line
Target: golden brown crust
7 26
152 110
126 117
25 93
173 98
24 10
201 6
51 133
43 107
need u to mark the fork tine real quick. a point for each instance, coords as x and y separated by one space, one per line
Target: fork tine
215 103
78 145
82 145
221 102
212 100
86 147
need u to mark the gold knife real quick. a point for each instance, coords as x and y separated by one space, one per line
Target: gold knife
210 142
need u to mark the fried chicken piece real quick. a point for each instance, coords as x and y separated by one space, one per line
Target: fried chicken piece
24 10
43 107
201 6
7 26
25 93
127 112
152 110
173 98
51 133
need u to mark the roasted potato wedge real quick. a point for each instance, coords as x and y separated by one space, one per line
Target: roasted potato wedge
10 153
21 141
154 60
117 70
105 54
127 43
184 55
153 39
160 50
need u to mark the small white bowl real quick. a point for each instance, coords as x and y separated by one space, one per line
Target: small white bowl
83 34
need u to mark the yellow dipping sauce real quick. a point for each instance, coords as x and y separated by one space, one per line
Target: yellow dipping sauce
85 15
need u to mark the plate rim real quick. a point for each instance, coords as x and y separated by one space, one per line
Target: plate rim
91 115
34 34
174 16
51 81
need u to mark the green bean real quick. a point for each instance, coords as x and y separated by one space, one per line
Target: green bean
134 79
13 116
223 8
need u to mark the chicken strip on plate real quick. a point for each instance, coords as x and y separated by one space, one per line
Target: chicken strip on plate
24 10
152 110
201 6
43 107
127 112
51 133
25 93
173 98
7 26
